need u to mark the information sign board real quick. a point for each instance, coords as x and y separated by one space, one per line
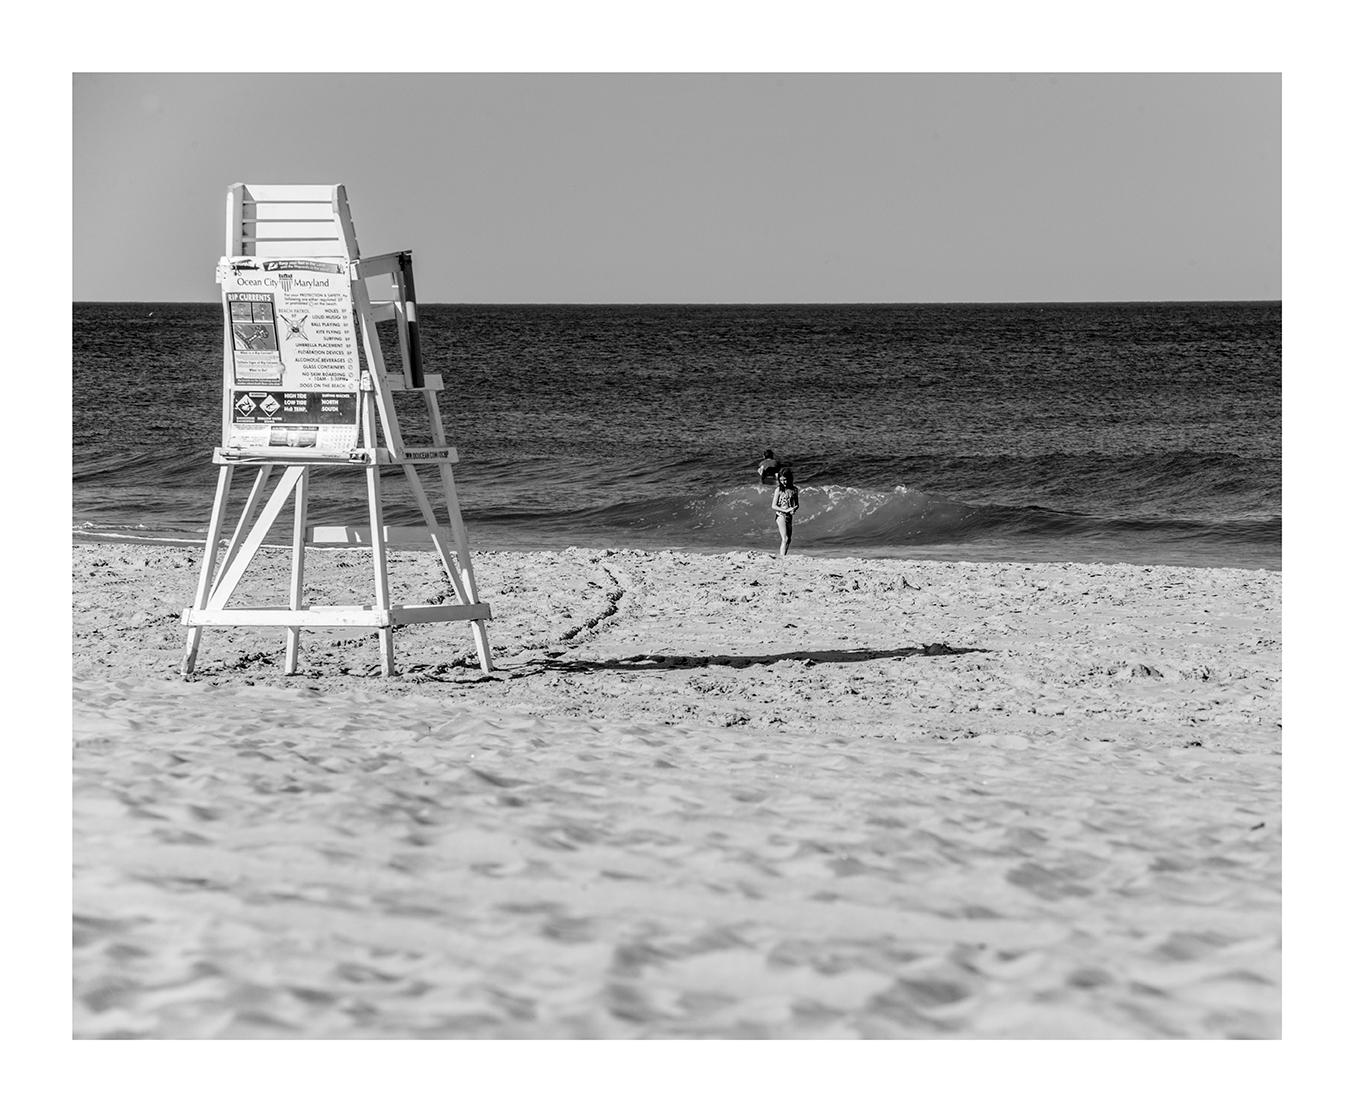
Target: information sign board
291 367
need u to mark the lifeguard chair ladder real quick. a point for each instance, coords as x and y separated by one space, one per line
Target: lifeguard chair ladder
314 222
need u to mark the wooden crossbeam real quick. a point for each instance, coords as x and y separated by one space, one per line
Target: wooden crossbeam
361 534
246 514
329 617
231 571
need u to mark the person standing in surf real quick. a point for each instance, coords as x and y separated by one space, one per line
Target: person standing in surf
785 501
766 470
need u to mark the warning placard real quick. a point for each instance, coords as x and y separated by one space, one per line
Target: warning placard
291 368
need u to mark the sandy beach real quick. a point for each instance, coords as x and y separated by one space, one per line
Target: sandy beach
701 796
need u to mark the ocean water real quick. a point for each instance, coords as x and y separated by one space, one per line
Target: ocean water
1143 433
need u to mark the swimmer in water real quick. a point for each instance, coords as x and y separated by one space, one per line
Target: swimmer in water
766 470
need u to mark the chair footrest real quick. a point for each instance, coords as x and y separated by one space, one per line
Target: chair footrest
324 617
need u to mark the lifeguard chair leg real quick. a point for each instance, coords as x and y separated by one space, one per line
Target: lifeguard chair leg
462 542
204 577
378 559
298 569
458 535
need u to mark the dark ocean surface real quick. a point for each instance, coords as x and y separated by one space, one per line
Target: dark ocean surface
1146 433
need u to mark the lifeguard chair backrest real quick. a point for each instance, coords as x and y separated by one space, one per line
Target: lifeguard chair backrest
289 221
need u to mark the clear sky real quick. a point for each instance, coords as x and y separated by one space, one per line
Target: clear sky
703 187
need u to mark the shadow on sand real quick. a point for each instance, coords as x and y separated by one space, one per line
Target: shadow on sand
655 663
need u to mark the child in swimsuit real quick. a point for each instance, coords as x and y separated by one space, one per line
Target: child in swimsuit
785 501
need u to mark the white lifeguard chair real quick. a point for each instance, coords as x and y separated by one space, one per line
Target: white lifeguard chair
296 398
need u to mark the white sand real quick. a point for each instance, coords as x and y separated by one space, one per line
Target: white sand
702 796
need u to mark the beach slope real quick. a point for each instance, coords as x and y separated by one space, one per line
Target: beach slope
715 796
